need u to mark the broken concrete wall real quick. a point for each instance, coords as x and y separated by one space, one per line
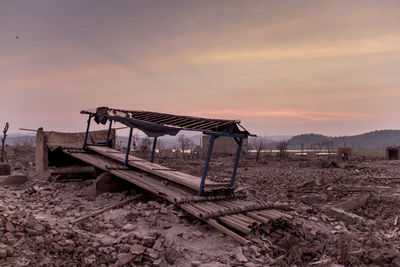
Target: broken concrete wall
41 152
223 146
48 142
5 168
392 152
76 139
347 150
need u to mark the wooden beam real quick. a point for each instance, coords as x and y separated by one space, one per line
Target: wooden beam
126 201
228 232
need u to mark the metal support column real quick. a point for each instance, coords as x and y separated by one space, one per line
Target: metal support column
87 131
239 149
154 149
108 134
209 152
128 148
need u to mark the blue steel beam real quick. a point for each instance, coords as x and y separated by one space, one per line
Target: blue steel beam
108 134
128 148
239 149
87 131
206 164
154 149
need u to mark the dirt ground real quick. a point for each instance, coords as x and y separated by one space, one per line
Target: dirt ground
344 214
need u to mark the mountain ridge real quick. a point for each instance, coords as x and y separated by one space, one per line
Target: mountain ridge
378 139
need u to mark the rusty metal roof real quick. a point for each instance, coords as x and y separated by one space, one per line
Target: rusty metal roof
166 122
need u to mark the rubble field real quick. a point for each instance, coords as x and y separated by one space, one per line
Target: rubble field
344 214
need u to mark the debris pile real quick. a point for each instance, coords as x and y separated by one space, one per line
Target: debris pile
342 215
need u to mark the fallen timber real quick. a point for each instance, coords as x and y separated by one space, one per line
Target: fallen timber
87 216
225 210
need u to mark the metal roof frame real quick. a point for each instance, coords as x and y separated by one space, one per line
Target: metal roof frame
156 124
187 123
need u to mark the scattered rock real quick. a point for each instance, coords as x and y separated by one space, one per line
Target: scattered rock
125 258
129 227
40 228
172 255
164 211
10 227
239 255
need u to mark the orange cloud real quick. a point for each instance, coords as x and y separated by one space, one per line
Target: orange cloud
381 44
307 115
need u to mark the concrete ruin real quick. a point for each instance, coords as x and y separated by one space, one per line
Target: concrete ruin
223 146
47 151
392 152
5 169
344 153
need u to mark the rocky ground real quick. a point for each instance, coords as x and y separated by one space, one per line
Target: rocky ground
343 214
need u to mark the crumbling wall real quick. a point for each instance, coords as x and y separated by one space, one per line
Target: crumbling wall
47 144
345 152
223 146
392 152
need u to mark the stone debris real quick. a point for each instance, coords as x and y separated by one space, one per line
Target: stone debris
239 255
13 179
341 217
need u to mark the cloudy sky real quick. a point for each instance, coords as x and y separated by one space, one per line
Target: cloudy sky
282 67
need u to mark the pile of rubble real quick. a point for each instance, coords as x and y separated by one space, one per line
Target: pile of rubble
344 214
36 228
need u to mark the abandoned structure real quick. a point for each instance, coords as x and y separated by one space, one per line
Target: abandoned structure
48 144
344 153
155 125
218 204
223 146
392 152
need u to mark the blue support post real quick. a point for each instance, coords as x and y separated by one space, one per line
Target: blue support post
87 131
209 152
108 134
238 151
154 149
128 148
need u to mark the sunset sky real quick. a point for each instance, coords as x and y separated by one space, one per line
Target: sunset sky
281 67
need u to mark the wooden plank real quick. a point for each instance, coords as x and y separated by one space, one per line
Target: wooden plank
187 180
87 216
153 185
228 232
254 215
209 198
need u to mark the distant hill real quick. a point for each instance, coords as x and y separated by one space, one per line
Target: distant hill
375 140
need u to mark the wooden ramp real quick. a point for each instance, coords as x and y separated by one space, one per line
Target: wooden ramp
223 209
184 179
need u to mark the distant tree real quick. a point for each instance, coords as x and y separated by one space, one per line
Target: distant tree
160 146
319 146
260 146
330 144
136 142
185 143
145 146
3 142
282 147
